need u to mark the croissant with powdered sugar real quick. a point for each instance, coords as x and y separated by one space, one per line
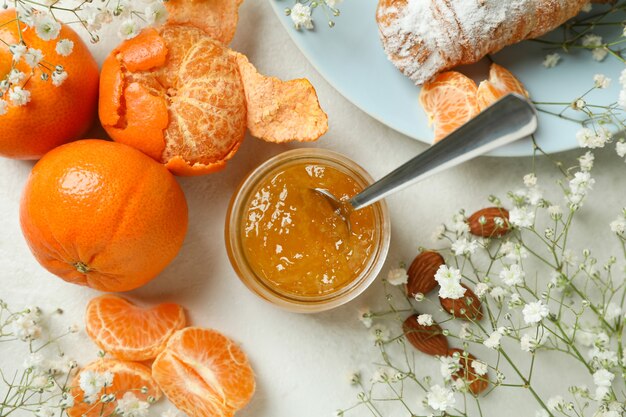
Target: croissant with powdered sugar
425 37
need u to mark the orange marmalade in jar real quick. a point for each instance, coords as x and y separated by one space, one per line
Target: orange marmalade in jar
289 246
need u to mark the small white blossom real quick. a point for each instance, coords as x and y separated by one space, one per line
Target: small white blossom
618 225
599 54
439 232
33 57
64 47
46 27
67 401
449 365
130 406
620 149
481 289
551 60
45 411
498 293
586 161
465 332
425 320
555 403
530 180
301 16
535 312
594 42
91 383
586 8
58 78
440 398
480 368
555 212
521 217
464 246
18 51
380 375
26 326
449 280
3 107
156 13
512 275
613 311
16 76
588 138
528 343
603 378
397 276
603 357
365 316
128 29
601 81
621 101
493 341
580 186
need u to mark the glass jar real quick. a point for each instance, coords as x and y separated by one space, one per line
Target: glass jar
236 219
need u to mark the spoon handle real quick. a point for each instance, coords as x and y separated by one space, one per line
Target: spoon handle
511 118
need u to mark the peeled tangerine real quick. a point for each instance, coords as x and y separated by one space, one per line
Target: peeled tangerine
183 98
451 99
204 374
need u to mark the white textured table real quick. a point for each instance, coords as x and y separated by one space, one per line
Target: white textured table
301 361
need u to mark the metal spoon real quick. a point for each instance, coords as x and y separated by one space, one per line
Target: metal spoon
511 118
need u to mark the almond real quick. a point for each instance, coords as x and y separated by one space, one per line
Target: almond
483 222
428 339
475 383
422 273
467 307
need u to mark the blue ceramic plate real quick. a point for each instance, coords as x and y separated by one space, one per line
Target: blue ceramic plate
350 57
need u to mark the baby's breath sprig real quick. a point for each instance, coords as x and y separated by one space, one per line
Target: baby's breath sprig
301 12
539 296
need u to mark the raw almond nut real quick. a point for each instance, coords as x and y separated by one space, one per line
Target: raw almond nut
483 222
422 272
428 339
475 383
467 307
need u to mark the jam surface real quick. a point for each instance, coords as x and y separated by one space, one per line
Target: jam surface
293 239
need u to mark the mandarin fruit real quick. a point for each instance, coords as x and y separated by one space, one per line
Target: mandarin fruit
128 377
102 214
183 98
204 374
129 332
500 83
449 101
55 114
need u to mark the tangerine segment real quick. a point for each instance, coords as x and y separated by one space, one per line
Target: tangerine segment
500 83
127 377
218 18
189 110
281 111
129 332
204 374
449 100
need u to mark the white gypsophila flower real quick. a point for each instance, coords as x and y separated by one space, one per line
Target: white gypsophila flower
603 378
461 227
333 3
593 139
4 107
555 212
618 225
15 76
586 8
449 365
107 378
131 406
301 16
586 161
579 186
33 57
498 293
128 29
579 104
465 332
528 343
64 47
35 361
613 311
493 341
397 276
425 319
551 60
515 300
620 149
512 275
464 246
45 411
591 40
622 78
481 289
156 13
91 383
535 312
18 51
480 368
555 403
603 357
513 251
365 316
530 180
601 81
521 217
67 401
26 326
599 54
452 290
380 375
46 27
58 78
621 100
440 398
439 232
379 333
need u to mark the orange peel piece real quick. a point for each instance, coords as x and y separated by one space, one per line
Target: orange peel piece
218 18
281 111
111 86
501 82
143 52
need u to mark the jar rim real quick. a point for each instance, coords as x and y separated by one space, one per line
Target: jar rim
255 283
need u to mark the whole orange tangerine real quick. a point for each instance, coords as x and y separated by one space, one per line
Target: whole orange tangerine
103 214
55 114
